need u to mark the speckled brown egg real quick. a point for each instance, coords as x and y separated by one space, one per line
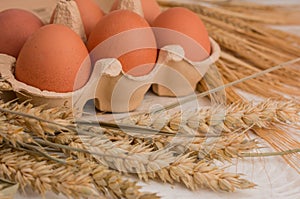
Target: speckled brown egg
16 26
55 59
180 26
151 9
124 35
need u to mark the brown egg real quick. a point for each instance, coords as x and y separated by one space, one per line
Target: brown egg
183 27
151 9
124 35
90 13
55 59
16 26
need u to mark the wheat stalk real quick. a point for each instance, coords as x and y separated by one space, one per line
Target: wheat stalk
265 56
225 148
252 38
267 14
156 166
98 144
220 147
198 174
228 68
74 179
104 146
226 119
18 114
281 141
108 148
155 159
160 163
42 175
139 159
116 185
44 129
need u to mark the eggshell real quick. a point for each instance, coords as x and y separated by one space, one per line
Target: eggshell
124 35
55 59
180 26
90 13
151 9
16 26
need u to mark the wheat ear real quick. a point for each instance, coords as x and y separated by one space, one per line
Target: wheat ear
224 119
43 175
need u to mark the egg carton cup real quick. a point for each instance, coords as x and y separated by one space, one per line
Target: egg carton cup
6 94
115 91
187 73
174 76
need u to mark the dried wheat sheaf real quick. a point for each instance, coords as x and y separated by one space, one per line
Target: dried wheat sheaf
143 159
140 159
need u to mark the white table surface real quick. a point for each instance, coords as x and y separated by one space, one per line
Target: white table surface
274 177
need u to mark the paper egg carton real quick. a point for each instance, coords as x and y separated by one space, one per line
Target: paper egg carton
115 91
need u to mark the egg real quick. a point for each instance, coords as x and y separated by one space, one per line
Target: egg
124 35
90 13
180 26
55 59
16 26
151 9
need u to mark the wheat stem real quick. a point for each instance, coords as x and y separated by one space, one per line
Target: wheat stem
280 153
